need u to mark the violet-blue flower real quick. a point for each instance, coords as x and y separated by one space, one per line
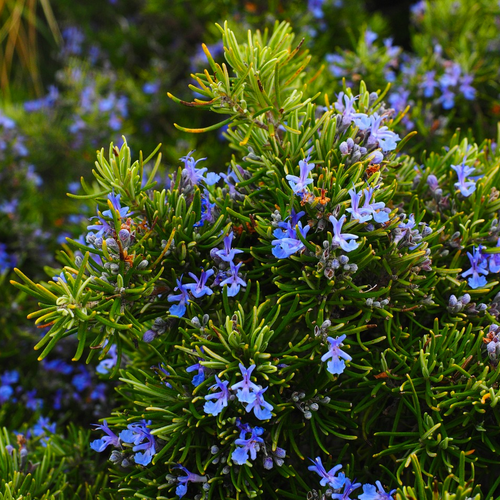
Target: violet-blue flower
261 408
494 260
466 187
404 228
183 299
140 436
299 183
200 377
227 253
192 174
326 477
342 239
109 362
199 289
381 135
371 492
233 281
247 446
215 407
336 365
357 214
479 265
110 438
287 242
183 481
245 387
349 487
374 207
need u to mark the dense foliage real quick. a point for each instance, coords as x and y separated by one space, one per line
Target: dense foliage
304 307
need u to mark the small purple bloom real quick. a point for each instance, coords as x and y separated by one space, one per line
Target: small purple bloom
466 187
183 298
200 377
336 365
374 207
110 438
429 84
261 408
246 446
227 253
136 434
287 242
192 174
199 288
299 184
108 363
404 228
386 139
494 260
371 492
357 214
468 91
183 481
246 385
215 407
349 487
234 282
326 477
341 239
479 265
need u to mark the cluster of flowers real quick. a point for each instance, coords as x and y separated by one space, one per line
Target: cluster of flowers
137 435
199 288
341 487
481 263
247 392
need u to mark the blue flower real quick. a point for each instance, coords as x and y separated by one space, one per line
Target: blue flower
183 481
108 363
465 187
32 402
381 135
326 477
114 204
215 407
110 438
261 408
340 239
371 492
357 214
375 208
200 377
227 253
345 105
349 487
429 84
199 289
247 446
183 298
479 265
468 91
207 210
405 228
494 260
299 184
336 365
234 282
136 434
42 427
287 242
192 174
245 387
